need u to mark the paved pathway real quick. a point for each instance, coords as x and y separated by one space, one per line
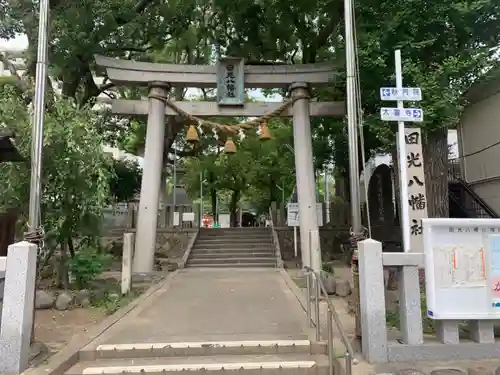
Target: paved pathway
214 305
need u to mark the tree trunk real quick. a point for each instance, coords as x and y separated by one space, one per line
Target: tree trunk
213 193
233 207
213 196
435 150
340 185
62 268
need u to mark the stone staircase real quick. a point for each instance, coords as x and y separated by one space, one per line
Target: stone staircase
233 247
290 357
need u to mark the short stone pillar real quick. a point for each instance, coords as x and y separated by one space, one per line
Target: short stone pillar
127 256
372 301
17 312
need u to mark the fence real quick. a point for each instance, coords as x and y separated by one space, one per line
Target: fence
124 216
411 346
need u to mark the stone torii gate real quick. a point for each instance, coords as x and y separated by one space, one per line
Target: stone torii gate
159 78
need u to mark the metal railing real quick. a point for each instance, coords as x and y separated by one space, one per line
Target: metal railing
315 288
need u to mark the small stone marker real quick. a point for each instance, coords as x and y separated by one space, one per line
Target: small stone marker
17 312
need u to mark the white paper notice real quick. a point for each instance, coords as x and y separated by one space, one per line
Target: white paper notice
469 268
443 266
459 266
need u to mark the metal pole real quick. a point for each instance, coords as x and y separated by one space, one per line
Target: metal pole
331 351
357 227
348 363
308 307
38 111
316 309
352 119
174 189
327 198
403 168
37 130
295 247
201 199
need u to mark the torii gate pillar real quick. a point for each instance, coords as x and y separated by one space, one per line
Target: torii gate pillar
145 239
304 171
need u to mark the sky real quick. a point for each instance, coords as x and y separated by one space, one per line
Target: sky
18 44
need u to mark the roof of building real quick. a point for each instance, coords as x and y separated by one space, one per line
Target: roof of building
8 151
181 197
486 86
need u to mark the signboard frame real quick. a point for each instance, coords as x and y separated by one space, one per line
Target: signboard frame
401 114
407 94
293 220
462 293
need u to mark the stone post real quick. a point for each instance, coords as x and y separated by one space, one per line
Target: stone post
127 255
145 243
17 311
372 301
306 189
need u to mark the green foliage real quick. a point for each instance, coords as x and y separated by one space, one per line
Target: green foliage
112 302
87 264
126 181
428 324
75 169
326 267
446 45
256 172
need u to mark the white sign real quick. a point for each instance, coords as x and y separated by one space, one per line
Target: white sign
225 220
413 94
462 268
402 114
293 214
417 197
188 216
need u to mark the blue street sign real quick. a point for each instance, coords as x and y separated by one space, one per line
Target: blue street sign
412 94
402 114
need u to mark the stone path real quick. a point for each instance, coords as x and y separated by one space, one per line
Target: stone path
215 305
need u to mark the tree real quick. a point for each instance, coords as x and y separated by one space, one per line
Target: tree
75 171
125 183
446 46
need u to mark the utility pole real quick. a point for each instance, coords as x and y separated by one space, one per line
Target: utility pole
352 118
38 117
37 133
352 128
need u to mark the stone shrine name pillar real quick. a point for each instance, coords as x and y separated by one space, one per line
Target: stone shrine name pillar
145 241
304 170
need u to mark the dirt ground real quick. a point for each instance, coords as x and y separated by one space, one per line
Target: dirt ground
56 328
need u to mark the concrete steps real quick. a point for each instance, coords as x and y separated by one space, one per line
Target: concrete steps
233 244
295 357
233 247
233 254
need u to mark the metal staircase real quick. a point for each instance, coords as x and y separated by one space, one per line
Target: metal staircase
463 200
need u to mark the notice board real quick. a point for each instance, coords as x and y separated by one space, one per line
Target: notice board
462 268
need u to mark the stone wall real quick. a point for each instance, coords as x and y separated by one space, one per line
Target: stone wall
331 240
170 243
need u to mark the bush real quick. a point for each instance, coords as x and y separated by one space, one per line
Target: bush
87 264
